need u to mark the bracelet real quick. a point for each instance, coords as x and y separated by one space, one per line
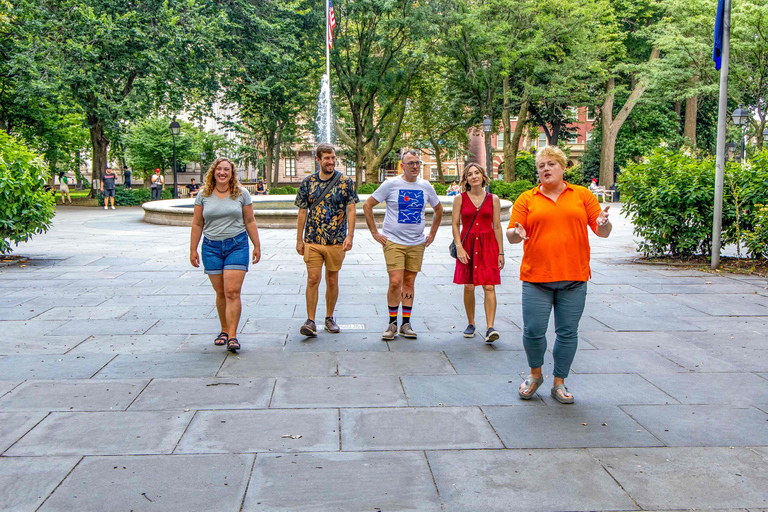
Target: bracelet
501 254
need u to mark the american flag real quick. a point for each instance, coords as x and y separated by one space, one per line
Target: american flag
331 23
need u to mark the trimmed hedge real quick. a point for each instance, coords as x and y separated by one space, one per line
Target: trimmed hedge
510 191
367 188
440 188
134 196
670 196
283 191
26 208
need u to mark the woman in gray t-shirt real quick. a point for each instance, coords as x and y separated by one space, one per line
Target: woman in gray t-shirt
224 218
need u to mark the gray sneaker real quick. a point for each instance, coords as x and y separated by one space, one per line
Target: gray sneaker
406 331
469 332
308 329
331 326
390 333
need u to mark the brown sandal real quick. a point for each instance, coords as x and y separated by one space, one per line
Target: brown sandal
221 339
233 345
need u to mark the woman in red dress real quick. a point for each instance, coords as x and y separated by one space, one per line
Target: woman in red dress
479 247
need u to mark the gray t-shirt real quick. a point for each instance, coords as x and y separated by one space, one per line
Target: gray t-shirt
405 220
109 181
223 218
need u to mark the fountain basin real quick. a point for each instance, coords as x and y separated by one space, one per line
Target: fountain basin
279 212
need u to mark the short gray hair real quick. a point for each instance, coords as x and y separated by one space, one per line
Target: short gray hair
409 152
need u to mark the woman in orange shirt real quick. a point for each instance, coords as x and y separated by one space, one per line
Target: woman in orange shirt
552 219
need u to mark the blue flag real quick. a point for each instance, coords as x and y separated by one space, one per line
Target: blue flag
718 49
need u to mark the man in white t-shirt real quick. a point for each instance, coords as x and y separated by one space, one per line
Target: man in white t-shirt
403 239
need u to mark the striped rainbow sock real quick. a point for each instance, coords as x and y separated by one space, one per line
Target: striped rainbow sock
393 313
406 314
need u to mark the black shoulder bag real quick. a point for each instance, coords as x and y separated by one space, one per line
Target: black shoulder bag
452 247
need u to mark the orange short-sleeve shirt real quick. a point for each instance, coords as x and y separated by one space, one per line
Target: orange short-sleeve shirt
557 248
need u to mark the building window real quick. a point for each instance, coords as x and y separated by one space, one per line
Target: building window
500 140
591 114
290 167
350 165
573 112
589 137
542 140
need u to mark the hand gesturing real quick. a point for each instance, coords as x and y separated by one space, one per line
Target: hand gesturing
602 219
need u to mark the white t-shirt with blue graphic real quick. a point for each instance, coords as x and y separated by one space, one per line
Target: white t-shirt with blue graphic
406 202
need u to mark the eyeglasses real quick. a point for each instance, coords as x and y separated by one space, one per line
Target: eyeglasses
417 162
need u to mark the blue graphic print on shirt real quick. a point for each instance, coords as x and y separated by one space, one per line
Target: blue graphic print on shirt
410 205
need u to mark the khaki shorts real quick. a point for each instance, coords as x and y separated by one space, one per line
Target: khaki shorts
332 255
403 257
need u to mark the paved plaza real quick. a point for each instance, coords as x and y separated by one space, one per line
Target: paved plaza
114 398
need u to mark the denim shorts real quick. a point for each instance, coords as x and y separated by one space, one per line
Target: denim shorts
229 254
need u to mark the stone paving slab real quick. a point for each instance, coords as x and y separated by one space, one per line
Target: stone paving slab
84 313
573 426
14 425
746 360
524 480
137 366
7 385
463 390
277 363
103 433
262 431
689 478
20 313
72 395
52 366
311 392
25 482
697 360
185 325
169 483
203 343
394 363
622 322
342 481
40 344
712 388
29 328
623 361
199 393
416 428
721 339
703 425
493 362
130 344
350 341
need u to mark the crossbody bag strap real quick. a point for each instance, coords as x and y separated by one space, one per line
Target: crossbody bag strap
323 194
475 217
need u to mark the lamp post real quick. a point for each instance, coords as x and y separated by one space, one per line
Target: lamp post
175 128
740 118
202 164
487 129
731 149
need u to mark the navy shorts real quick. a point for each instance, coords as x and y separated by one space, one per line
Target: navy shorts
108 192
229 254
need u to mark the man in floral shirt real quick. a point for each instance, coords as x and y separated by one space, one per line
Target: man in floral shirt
326 226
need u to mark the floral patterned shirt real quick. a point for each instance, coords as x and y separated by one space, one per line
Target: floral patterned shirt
327 222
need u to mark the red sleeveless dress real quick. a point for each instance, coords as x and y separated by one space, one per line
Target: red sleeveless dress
481 245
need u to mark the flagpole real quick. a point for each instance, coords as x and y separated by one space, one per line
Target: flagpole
722 120
328 67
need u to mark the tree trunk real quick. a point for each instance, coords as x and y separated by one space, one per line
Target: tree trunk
99 143
691 107
510 156
611 125
438 160
759 135
554 135
276 154
78 174
527 141
678 108
269 153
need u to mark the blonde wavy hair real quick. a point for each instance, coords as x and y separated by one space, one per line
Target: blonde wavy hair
464 186
209 182
553 152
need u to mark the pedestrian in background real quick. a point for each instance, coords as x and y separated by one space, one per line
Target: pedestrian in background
158 180
552 220
64 189
108 186
479 246
223 216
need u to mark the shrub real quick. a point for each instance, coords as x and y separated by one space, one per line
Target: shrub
134 196
670 196
510 191
367 188
525 167
283 191
756 239
575 176
440 189
26 209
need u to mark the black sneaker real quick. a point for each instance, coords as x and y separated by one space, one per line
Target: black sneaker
469 332
491 335
308 329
